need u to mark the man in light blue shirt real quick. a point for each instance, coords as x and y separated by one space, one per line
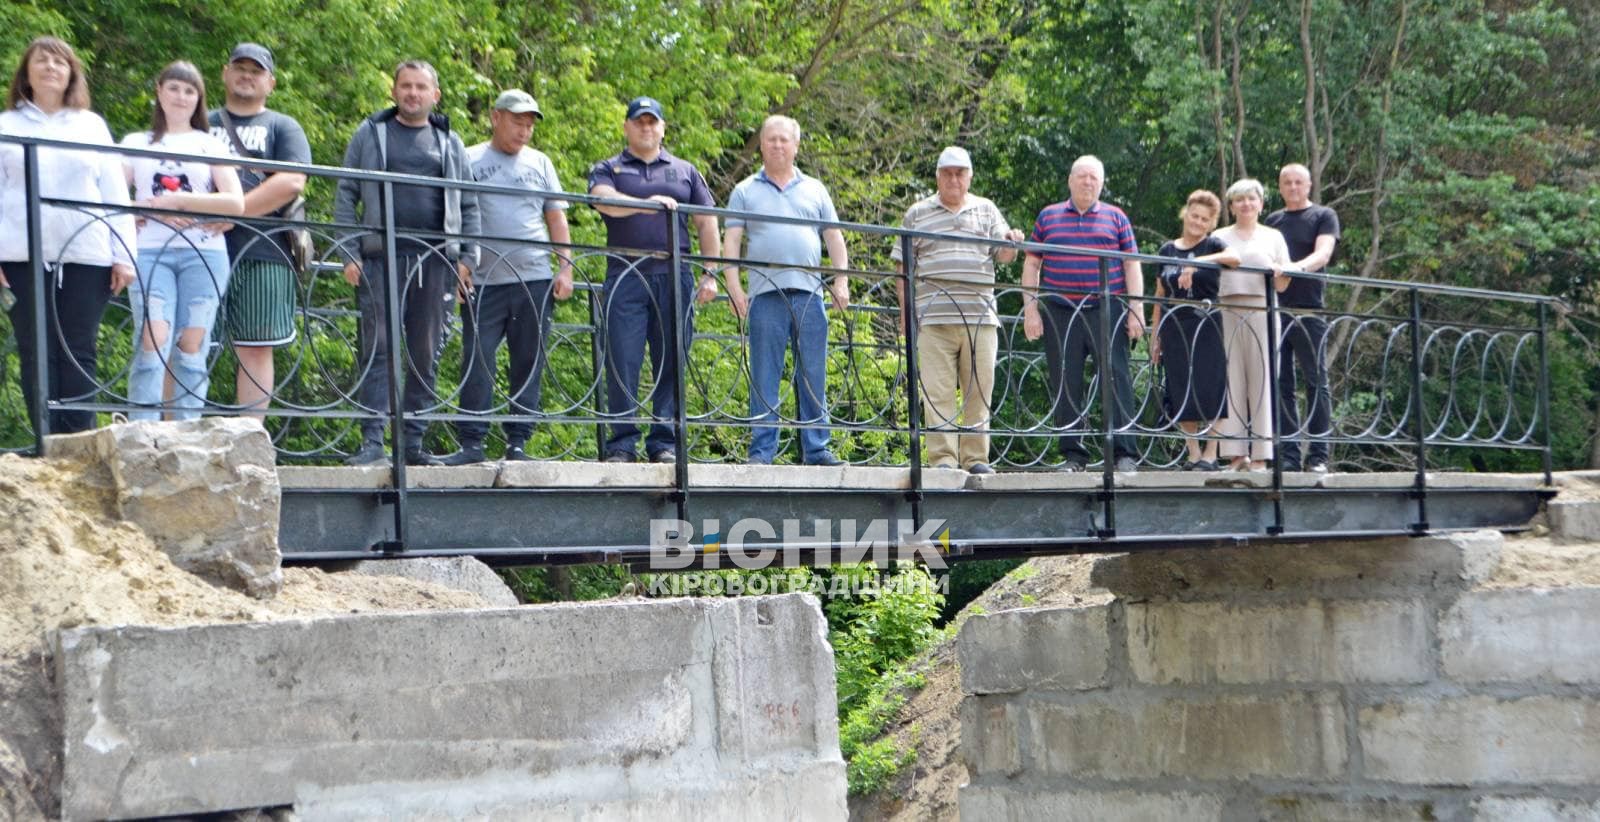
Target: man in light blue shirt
784 306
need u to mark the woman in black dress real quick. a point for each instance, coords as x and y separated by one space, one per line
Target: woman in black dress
1188 342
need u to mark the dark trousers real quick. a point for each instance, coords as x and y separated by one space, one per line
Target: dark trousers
428 288
638 311
1072 334
72 313
518 314
1301 350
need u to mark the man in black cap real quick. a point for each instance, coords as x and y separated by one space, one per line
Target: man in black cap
261 291
638 302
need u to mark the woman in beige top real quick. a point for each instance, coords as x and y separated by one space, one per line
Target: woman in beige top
1248 426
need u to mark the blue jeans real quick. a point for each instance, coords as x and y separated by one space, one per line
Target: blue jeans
180 286
638 310
778 320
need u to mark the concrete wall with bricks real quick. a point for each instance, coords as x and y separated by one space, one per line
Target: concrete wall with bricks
695 708
1376 681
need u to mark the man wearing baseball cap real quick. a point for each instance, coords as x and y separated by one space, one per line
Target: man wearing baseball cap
261 293
513 284
957 325
639 298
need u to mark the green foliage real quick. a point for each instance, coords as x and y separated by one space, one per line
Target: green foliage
871 758
875 633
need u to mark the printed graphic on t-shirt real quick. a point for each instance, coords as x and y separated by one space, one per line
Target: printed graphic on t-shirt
169 182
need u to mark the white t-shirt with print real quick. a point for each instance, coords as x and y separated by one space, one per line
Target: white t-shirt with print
152 176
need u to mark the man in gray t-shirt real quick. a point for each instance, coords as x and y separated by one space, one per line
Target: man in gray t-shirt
513 284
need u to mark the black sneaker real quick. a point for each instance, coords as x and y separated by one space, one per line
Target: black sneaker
1318 467
417 456
1204 465
370 453
1127 465
515 453
468 455
664 455
1070 466
619 456
980 468
826 458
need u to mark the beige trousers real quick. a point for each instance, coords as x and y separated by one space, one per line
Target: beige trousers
952 358
1248 427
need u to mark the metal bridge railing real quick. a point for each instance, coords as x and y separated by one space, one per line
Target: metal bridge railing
1430 368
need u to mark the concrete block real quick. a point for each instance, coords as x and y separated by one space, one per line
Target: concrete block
1523 634
452 708
640 792
1397 479
1536 809
1574 518
1333 809
460 573
1480 739
585 475
773 676
1294 735
982 803
1470 479
989 737
1317 641
477 475
1324 569
1061 649
1036 481
320 477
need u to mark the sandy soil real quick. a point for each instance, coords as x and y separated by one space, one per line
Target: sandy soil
67 561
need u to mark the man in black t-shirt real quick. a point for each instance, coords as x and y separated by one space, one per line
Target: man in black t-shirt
261 291
1312 232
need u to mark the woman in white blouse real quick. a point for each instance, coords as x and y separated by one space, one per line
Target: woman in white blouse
1248 426
88 252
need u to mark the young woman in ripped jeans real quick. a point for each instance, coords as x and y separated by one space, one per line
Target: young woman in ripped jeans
183 261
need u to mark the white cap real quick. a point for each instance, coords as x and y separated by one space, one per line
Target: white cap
954 157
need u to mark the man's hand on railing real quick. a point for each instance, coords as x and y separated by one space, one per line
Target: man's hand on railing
1032 323
121 277
352 272
671 204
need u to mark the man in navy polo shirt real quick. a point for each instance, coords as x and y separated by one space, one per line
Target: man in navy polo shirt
638 299
1071 317
786 304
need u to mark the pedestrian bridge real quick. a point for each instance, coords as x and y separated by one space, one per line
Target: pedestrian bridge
1440 398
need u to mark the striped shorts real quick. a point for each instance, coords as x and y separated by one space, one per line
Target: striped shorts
261 303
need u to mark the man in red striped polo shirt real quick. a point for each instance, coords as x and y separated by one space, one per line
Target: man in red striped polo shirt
1066 309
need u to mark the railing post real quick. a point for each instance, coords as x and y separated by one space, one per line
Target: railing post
1105 371
1544 389
41 298
597 358
394 285
681 337
1420 489
1273 412
913 378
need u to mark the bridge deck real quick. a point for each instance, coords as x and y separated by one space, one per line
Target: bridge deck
573 512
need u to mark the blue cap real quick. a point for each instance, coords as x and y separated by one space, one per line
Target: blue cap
645 105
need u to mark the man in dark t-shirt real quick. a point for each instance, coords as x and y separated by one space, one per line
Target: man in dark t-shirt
261 290
638 301
1312 232
409 138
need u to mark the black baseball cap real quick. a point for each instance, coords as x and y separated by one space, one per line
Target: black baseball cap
253 51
